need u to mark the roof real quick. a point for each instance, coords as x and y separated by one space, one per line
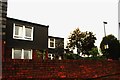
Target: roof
28 22
55 37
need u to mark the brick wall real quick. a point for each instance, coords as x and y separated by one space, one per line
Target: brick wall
65 69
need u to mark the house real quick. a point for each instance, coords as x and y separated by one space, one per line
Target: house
26 40
55 47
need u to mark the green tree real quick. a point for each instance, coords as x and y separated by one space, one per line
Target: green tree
75 40
88 43
110 47
83 41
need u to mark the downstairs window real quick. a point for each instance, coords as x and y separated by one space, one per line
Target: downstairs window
21 53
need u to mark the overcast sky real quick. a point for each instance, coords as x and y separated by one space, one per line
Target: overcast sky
63 16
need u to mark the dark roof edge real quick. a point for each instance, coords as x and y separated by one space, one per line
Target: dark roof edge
55 37
28 22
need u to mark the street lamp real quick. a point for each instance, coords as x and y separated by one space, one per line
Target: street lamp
104 28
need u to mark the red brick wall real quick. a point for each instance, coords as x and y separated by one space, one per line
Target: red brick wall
82 69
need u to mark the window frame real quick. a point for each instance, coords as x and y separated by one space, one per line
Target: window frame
49 41
23 37
22 54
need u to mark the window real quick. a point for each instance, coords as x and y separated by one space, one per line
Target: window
50 56
21 53
18 31
17 53
51 43
22 32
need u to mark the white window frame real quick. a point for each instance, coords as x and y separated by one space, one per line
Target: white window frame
23 37
50 42
22 55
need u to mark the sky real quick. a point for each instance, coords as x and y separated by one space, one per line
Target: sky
64 16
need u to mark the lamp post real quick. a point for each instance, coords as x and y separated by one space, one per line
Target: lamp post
104 28
106 46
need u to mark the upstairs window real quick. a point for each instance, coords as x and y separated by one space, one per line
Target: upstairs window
51 43
21 53
18 31
22 32
28 32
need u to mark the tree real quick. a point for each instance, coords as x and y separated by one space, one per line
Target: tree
83 41
88 43
75 40
110 47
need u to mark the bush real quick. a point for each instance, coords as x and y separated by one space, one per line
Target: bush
71 56
94 52
95 55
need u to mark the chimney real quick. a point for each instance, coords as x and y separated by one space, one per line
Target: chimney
3 16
